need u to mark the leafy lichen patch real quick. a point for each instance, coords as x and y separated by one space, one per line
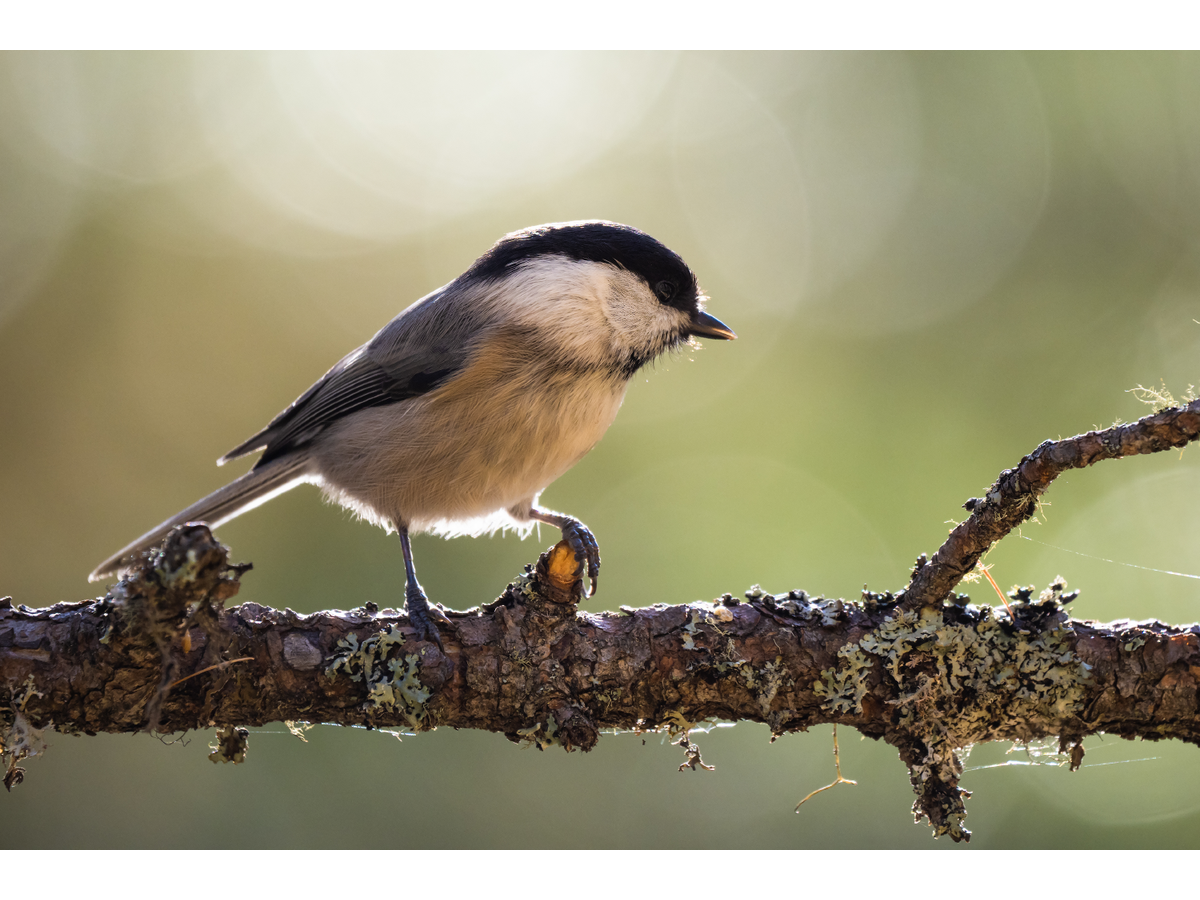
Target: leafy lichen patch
953 678
231 746
392 677
703 612
540 734
722 656
522 587
968 668
696 618
18 738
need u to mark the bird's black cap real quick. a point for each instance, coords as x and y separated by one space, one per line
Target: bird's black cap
596 241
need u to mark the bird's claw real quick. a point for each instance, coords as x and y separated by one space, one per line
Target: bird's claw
583 544
419 611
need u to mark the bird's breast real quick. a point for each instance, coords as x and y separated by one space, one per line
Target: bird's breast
485 441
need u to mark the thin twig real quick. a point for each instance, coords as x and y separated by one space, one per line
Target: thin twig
837 765
999 593
228 662
1013 497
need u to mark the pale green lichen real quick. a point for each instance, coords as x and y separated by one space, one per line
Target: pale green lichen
607 699
763 682
18 738
392 679
987 678
231 746
185 574
766 684
677 724
541 735
522 586
1160 398
297 729
961 682
700 613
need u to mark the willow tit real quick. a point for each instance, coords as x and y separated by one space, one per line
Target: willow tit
459 413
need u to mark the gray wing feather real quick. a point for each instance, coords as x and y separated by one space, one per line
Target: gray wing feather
421 348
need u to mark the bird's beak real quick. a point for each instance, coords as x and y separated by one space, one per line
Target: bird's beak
704 325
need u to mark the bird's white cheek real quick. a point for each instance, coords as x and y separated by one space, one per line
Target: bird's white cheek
639 323
564 301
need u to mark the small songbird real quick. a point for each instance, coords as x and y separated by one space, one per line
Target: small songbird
463 408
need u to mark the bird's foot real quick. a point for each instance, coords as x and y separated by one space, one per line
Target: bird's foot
419 612
583 544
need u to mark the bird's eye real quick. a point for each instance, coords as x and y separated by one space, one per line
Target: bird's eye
665 290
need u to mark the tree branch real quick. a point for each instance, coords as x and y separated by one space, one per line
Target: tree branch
1013 498
162 652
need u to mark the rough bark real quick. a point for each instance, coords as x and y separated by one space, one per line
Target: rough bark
162 652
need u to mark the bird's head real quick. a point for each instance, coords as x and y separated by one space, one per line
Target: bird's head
614 295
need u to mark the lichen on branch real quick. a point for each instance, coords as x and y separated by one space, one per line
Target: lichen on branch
162 651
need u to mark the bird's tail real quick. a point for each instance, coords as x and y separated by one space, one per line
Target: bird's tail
255 487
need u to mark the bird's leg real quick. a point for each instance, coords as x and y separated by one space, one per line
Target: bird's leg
415 600
578 538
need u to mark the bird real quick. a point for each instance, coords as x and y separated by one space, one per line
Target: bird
461 410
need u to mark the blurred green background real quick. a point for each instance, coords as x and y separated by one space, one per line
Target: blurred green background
933 263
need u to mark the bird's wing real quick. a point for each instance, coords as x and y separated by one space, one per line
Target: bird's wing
418 350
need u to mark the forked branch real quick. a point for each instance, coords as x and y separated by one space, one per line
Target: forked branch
161 651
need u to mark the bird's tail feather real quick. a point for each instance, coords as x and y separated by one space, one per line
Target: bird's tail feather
255 487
